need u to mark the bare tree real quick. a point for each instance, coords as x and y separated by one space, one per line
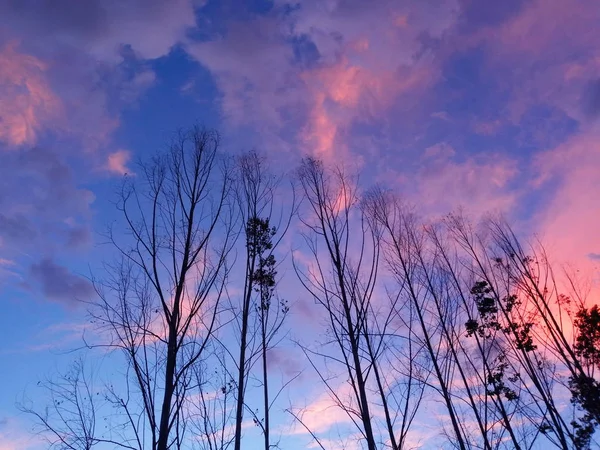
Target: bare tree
213 410
69 421
363 328
407 255
261 315
334 282
399 365
470 315
160 304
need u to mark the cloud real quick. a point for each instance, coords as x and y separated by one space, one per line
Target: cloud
322 68
94 58
323 413
16 228
476 14
117 162
570 219
591 99
439 152
101 28
78 236
534 29
41 201
326 78
345 94
27 104
253 68
61 336
280 359
370 58
66 74
529 53
15 435
7 269
57 283
477 184
349 442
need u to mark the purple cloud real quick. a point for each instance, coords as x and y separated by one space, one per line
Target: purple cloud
591 99
101 27
40 198
477 14
303 75
16 227
66 74
57 283
594 256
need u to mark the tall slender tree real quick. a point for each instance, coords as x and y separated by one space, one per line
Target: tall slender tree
344 243
160 304
260 316
341 286
407 255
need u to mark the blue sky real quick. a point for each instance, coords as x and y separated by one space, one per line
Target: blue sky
482 104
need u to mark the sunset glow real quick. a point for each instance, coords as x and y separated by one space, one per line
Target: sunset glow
486 109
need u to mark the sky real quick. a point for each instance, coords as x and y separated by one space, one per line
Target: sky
490 106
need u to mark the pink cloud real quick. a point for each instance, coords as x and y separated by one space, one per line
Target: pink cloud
335 79
252 67
13 435
360 80
323 413
101 28
345 93
487 127
384 35
569 223
117 162
62 89
27 103
552 50
539 28
370 62
92 57
6 262
8 269
551 46
477 184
